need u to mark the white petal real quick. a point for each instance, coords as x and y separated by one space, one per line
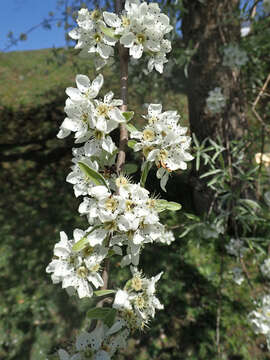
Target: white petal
127 39
111 19
97 83
136 51
74 93
83 83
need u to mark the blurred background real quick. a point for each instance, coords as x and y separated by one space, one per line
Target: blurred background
206 311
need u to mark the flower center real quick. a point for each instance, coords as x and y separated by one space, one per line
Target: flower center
136 283
103 110
121 181
141 38
88 354
148 135
95 15
85 118
98 134
111 204
87 251
130 205
139 302
125 21
163 154
97 37
82 272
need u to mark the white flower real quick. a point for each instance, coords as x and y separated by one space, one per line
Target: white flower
137 303
260 318
142 28
236 247
78 270
81 183
164 142
234 57
265 268
215 101
91 37
79 108
102 343
238 275
63 355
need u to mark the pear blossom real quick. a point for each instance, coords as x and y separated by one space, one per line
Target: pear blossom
260 319
101 344
234 57
142 28
91 37
78 270
137 302
129 217
238 276
91 119
236 248
164 142
215 101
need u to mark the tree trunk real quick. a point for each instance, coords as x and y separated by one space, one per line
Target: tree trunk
209 26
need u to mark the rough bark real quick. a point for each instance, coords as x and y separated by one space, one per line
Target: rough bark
209 26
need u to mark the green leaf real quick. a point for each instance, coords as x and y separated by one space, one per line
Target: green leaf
162 205
128 115
131 128
212 172
132 143
109 32
80 245
146 166
93 175
130 168
107 315
103 292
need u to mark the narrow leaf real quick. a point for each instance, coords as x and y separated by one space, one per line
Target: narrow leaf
130 168
131 128
145 170
93 175
80 245
107 315
128 115
162 205
131 143
103 292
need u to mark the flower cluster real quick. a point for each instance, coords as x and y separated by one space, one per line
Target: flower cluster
127 218
78 271
236 248
100 344
163 142
122 216
260 319
89 118
140 28
137 303
234 57
215 101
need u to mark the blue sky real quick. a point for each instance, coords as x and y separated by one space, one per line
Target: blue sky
20 15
